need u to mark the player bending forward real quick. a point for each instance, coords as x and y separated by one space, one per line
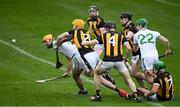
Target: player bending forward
91 59
71 53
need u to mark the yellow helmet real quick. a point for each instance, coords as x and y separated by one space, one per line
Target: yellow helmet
48 37
78 22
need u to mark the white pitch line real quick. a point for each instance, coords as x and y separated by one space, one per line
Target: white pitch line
26 53
50 63
169 3
36 58
155 104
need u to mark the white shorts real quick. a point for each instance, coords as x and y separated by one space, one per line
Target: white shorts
78 63
135 59
120 66
99 46
91 60
147 62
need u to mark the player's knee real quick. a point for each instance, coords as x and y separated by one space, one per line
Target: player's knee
76 76
100 71
133 74
89 73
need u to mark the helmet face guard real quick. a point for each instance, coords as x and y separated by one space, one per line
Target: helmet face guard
94 9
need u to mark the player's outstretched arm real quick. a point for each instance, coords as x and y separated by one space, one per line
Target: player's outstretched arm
87 43
153 90
165 41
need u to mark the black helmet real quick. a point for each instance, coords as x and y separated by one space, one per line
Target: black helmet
93 8
110 24
126 15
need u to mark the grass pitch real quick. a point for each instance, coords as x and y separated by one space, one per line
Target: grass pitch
28 20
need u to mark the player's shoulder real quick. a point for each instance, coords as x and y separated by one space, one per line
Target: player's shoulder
132 25
152 31
100 17
89 19
132 28
137 33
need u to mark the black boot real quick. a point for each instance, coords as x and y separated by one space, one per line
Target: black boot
83 92
96 98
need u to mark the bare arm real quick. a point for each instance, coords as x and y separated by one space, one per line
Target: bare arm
92 42
165 41
135 47
63 38
129 35
128 49
153 90
63 35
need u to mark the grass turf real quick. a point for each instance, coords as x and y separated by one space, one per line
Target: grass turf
28 20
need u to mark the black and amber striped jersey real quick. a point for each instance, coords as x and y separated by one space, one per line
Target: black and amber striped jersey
78 36
94 25
166 86
113 43
131 27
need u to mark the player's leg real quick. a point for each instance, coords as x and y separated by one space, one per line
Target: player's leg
109 78
135 71
143 91
111 86
78 67
98 79
99 48
92 61
139 76
120 66
79 82
124 72
147 64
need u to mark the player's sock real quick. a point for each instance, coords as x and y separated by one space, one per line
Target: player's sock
97 92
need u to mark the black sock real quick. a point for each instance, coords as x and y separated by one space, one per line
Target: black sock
97 92
116 89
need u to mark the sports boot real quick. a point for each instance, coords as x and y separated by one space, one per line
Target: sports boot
96 98
83 92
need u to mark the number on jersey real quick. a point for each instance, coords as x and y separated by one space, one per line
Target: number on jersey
112 41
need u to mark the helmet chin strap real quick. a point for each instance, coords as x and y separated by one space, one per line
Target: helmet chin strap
125 24
94 18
